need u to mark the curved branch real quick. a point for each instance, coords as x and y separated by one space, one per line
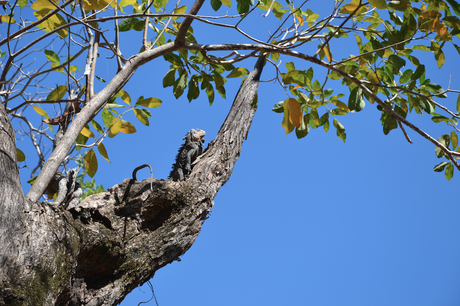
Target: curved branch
359 83
88 112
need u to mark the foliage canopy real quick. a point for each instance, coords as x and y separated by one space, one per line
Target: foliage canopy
389 42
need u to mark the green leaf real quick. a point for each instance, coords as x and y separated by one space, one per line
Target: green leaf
436 89
316 85
356 101
438 53
421 48
97 126
453 21
278 108
180 10
326 126
243 6
458 103
90 162
20 155
103 151
173 59
32 180
222 92
440 167
406 76
388 122
193 89
22 3
210 93
449 172
100 79
141 116
418 72
107 118
290 66
52 57
275 56
397 63
304 128
57 94
380 4
169 78
455 6
340 130
445 141
238 72
180 84
454 140
227 3
81 140
216 4
127 24
218 79
439 118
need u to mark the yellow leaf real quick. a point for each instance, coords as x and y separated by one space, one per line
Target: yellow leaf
39 5
373 78
127 127
115 127
150 102
87 132
443 30
41 112
328 53
141 116
340 105
295 112
125 97
20 155
300 19
97 5
349 8
51 23
57 94
103 151
124 3
286 122
431 15
91 163
181 10
7 19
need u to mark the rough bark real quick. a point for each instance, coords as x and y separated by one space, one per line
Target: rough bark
97 252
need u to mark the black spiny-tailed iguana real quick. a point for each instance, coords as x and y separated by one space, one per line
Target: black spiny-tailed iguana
188 152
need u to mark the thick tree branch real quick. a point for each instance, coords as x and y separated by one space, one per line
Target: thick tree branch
88 112
180 38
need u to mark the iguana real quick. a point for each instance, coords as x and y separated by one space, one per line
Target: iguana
188 152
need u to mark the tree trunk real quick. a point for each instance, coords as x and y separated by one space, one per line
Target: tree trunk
99 251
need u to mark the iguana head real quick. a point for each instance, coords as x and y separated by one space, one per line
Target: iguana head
197 134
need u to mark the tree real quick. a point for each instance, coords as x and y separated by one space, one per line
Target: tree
60 262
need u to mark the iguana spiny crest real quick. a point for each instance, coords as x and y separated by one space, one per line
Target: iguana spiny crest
188 152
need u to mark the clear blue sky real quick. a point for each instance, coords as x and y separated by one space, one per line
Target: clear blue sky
303 222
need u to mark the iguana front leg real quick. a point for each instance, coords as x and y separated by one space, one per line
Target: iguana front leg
190 154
